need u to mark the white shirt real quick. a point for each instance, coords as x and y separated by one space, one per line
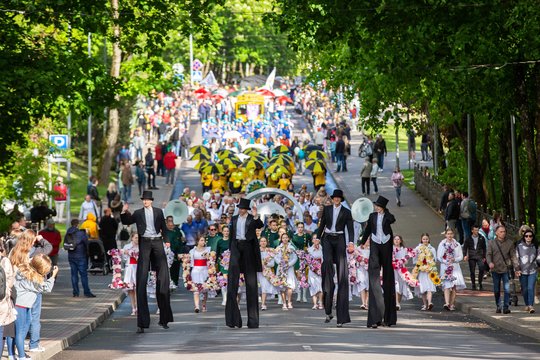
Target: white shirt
335 214
150 228
241 228
380 237
475 241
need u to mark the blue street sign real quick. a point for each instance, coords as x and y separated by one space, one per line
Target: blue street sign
60 141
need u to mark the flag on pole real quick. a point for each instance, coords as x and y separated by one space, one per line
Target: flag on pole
269 85
209 80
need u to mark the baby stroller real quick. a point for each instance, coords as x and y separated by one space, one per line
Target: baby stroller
99 261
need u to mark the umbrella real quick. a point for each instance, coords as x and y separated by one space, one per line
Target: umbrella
201 164
252 164
212 168
315 166
201 91
224 153
236 93
259 147
280 160
279 93
283 99
220 92
200 156
229 163
233 134
252 152
273 169
317 154
309 148
266 92
199 149
281 149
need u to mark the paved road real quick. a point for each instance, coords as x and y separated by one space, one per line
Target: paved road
301 333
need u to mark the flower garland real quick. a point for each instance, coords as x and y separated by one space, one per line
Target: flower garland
426 263
315 264
116 257
448 260
283 264
352 266
211 284
362 261
399 265
268 271
222 279
302 271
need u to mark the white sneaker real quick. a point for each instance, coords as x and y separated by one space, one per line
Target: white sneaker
38 349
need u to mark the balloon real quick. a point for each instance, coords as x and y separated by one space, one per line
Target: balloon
279 171
207 196
296 150
251 172
237 183
274 177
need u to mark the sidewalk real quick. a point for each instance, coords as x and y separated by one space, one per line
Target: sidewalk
65 319
415 217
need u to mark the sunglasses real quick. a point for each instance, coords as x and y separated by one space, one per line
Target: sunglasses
212 229
528 236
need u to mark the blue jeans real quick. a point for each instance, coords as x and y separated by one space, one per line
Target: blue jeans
398 193
527 288
22 324
79 267
170 176
340 158
380 160
35 325
126 193
497 288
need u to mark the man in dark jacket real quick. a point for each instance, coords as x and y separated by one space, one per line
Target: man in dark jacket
340 154
474 251
108 228
451 213
78 259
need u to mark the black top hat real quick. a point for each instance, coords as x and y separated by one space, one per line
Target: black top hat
381 201
244 204
338 193
147 195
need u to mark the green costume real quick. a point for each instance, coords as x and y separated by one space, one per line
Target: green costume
212 241
221 246
300 242
177 242
272 237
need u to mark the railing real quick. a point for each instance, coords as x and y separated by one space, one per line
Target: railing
431 191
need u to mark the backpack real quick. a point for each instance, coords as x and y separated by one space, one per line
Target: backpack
472 209
70 243
3 280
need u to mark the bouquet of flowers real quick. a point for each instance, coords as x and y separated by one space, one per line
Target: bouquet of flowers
268 271
352 266
211 284
362 261
117 282
426 263
448 260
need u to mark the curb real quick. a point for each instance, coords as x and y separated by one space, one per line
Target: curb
508 322
56 346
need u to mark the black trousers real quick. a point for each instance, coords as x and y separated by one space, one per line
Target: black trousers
382 307
151 250
472 269
175 270
334 252
151 178
365 184
233 318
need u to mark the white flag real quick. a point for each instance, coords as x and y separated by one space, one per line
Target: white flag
209 80
269 85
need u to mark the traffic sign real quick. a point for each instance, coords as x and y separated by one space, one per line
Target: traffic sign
60 141
196 75
197 64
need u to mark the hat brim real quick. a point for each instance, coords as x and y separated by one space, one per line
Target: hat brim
147 198
379 204
339 196
243 207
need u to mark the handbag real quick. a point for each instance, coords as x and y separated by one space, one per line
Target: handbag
509 268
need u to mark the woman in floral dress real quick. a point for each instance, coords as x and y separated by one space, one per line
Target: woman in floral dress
267 275
362 270
403 291
449 255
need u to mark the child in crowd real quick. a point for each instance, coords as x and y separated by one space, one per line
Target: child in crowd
449 255
131 255
285 258
264 277
425 271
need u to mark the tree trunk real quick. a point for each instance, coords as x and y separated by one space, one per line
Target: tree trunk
504 161
111 137
241 70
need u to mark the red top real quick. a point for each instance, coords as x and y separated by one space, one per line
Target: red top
158 156
60 192
54 238
132 260
169 160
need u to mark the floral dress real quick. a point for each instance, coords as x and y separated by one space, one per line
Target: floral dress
362 262
449 255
